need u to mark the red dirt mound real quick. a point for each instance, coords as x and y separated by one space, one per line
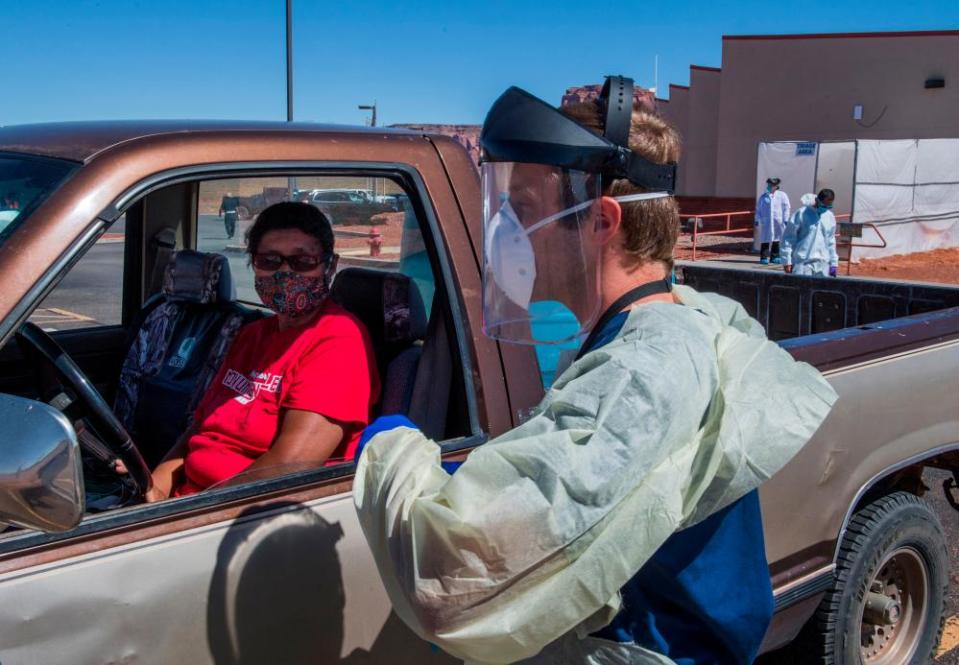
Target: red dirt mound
940 265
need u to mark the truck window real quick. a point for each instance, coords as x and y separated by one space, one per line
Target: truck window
91 294
25 182
385 277
420 366
380 235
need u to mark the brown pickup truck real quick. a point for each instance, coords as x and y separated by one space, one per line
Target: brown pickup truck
272 566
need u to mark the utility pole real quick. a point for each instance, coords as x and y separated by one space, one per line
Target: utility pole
370 182
656 75
369 107
291 182
289 60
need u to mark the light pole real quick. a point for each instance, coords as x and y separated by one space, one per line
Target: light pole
291 182
369 107
289 60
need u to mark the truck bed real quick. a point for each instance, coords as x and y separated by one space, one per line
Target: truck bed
791 307
889 348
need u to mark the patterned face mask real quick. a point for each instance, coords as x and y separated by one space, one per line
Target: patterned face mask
291 293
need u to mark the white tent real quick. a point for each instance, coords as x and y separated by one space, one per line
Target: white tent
908 189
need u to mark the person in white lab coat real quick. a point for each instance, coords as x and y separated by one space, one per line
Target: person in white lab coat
772 213
809 240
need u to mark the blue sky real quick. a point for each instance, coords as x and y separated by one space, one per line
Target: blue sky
421 61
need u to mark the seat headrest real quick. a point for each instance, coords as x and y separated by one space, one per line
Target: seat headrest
198 277
387 303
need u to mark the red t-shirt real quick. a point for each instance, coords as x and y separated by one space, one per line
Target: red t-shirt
326 366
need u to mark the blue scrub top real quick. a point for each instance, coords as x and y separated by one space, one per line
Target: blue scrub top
705 597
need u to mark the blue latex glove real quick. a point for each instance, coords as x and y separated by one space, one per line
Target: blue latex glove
387 423
381 424
833 270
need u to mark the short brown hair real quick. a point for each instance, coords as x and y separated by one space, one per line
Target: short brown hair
650 228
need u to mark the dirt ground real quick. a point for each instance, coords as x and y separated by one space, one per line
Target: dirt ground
941 265
712 247
354 236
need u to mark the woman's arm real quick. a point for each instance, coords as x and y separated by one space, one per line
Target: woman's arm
169 472
304 437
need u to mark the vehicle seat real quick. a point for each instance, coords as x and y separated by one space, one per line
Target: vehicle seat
389 305
180 337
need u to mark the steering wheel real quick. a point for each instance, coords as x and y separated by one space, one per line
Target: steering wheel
85 402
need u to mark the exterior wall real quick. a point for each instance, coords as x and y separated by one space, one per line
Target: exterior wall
701 135
803 87
676 112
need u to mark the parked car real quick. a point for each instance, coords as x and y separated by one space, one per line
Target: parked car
396 202
273 567
347 206
253 205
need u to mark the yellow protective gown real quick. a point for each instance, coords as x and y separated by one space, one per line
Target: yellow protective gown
528 544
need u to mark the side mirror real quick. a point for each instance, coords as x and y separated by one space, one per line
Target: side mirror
41 484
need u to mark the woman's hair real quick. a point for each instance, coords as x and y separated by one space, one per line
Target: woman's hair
651 227
826 194
291 215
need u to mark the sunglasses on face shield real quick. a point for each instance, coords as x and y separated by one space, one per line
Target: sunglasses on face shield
297 262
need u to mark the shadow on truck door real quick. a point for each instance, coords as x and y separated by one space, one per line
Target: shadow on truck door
277 596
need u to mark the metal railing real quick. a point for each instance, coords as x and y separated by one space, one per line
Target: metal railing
744 220
728 227
847 243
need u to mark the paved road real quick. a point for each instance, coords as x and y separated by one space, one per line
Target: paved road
90 294
213 238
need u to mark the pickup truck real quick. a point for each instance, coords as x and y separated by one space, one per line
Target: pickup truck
272 566
252 205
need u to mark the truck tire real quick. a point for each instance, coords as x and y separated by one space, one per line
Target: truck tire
243 212
887 602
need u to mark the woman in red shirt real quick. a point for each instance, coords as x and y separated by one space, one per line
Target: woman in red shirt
294 389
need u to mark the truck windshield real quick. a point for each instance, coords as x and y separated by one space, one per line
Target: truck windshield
25 182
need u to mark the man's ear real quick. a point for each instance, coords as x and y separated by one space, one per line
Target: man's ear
609 219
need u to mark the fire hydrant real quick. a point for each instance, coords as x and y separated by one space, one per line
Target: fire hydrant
375 241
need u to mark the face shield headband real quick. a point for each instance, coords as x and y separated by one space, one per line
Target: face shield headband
522 128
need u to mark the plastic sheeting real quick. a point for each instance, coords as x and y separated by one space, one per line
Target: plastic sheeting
910 190
835 171
792 163
907 188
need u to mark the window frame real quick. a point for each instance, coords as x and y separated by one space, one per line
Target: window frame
413 186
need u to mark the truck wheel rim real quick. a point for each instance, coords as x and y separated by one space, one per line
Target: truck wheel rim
901 578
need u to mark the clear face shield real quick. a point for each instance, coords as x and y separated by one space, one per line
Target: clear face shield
542 252
543 230
540 260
